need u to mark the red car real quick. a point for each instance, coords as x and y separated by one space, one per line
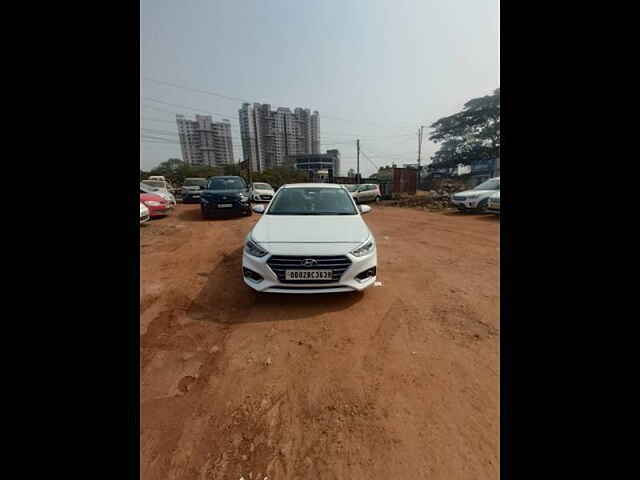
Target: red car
158 206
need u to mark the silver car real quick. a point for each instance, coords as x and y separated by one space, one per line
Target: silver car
493 205
477 198
368 192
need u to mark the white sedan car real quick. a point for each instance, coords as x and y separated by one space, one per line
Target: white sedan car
261 192
144 213
310 239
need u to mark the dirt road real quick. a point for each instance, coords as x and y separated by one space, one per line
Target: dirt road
399 382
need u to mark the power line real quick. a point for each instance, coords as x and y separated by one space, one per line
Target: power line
227 97
207 92
237 124
370 161
188 108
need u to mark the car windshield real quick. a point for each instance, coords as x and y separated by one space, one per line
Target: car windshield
195 182
146 188
312 201
351 188
226 184
154 183
493 184
262 186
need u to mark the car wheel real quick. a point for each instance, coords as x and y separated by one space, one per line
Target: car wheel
378 198
483 204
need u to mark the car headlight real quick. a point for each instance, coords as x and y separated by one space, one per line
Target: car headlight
365 249
255 250
243 197
152 203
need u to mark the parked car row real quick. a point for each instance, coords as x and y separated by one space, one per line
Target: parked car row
155 202
310 239
158 190
485 196
160 183
191 189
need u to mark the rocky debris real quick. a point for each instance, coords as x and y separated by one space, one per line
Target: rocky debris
267 362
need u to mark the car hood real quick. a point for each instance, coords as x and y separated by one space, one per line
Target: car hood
229 193
468 193
263 192
349 229
147 197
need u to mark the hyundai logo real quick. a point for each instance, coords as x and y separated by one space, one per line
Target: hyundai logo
309 262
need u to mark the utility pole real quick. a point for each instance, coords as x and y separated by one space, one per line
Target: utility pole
419 151
358 172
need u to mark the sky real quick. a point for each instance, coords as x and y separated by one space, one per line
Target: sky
374 69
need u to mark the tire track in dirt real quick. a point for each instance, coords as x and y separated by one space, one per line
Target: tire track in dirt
387 384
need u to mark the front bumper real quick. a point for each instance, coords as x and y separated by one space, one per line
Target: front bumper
261 198
347 283
155 212
237 208
190 198
144 218
466 204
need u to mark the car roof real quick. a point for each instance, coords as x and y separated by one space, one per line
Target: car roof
314 185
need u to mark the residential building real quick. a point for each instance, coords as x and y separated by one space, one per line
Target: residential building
205 142
313 162
269 137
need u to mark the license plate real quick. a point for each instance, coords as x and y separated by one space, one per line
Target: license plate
308 274
225 205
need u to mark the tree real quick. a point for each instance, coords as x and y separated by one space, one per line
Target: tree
175 171
276 177
473 133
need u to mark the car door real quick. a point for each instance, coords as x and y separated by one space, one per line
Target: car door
370 193
362 193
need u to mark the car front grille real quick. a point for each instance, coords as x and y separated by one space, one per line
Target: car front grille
280 263
265 197
459 198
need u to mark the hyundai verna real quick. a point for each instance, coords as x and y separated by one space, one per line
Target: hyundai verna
310 239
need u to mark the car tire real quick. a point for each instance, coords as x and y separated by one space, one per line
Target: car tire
482 205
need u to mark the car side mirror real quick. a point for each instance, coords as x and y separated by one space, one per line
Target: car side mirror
258 208
364 209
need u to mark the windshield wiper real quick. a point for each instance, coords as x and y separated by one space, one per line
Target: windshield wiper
334 213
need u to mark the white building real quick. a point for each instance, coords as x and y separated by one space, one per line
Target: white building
205 142
270 136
